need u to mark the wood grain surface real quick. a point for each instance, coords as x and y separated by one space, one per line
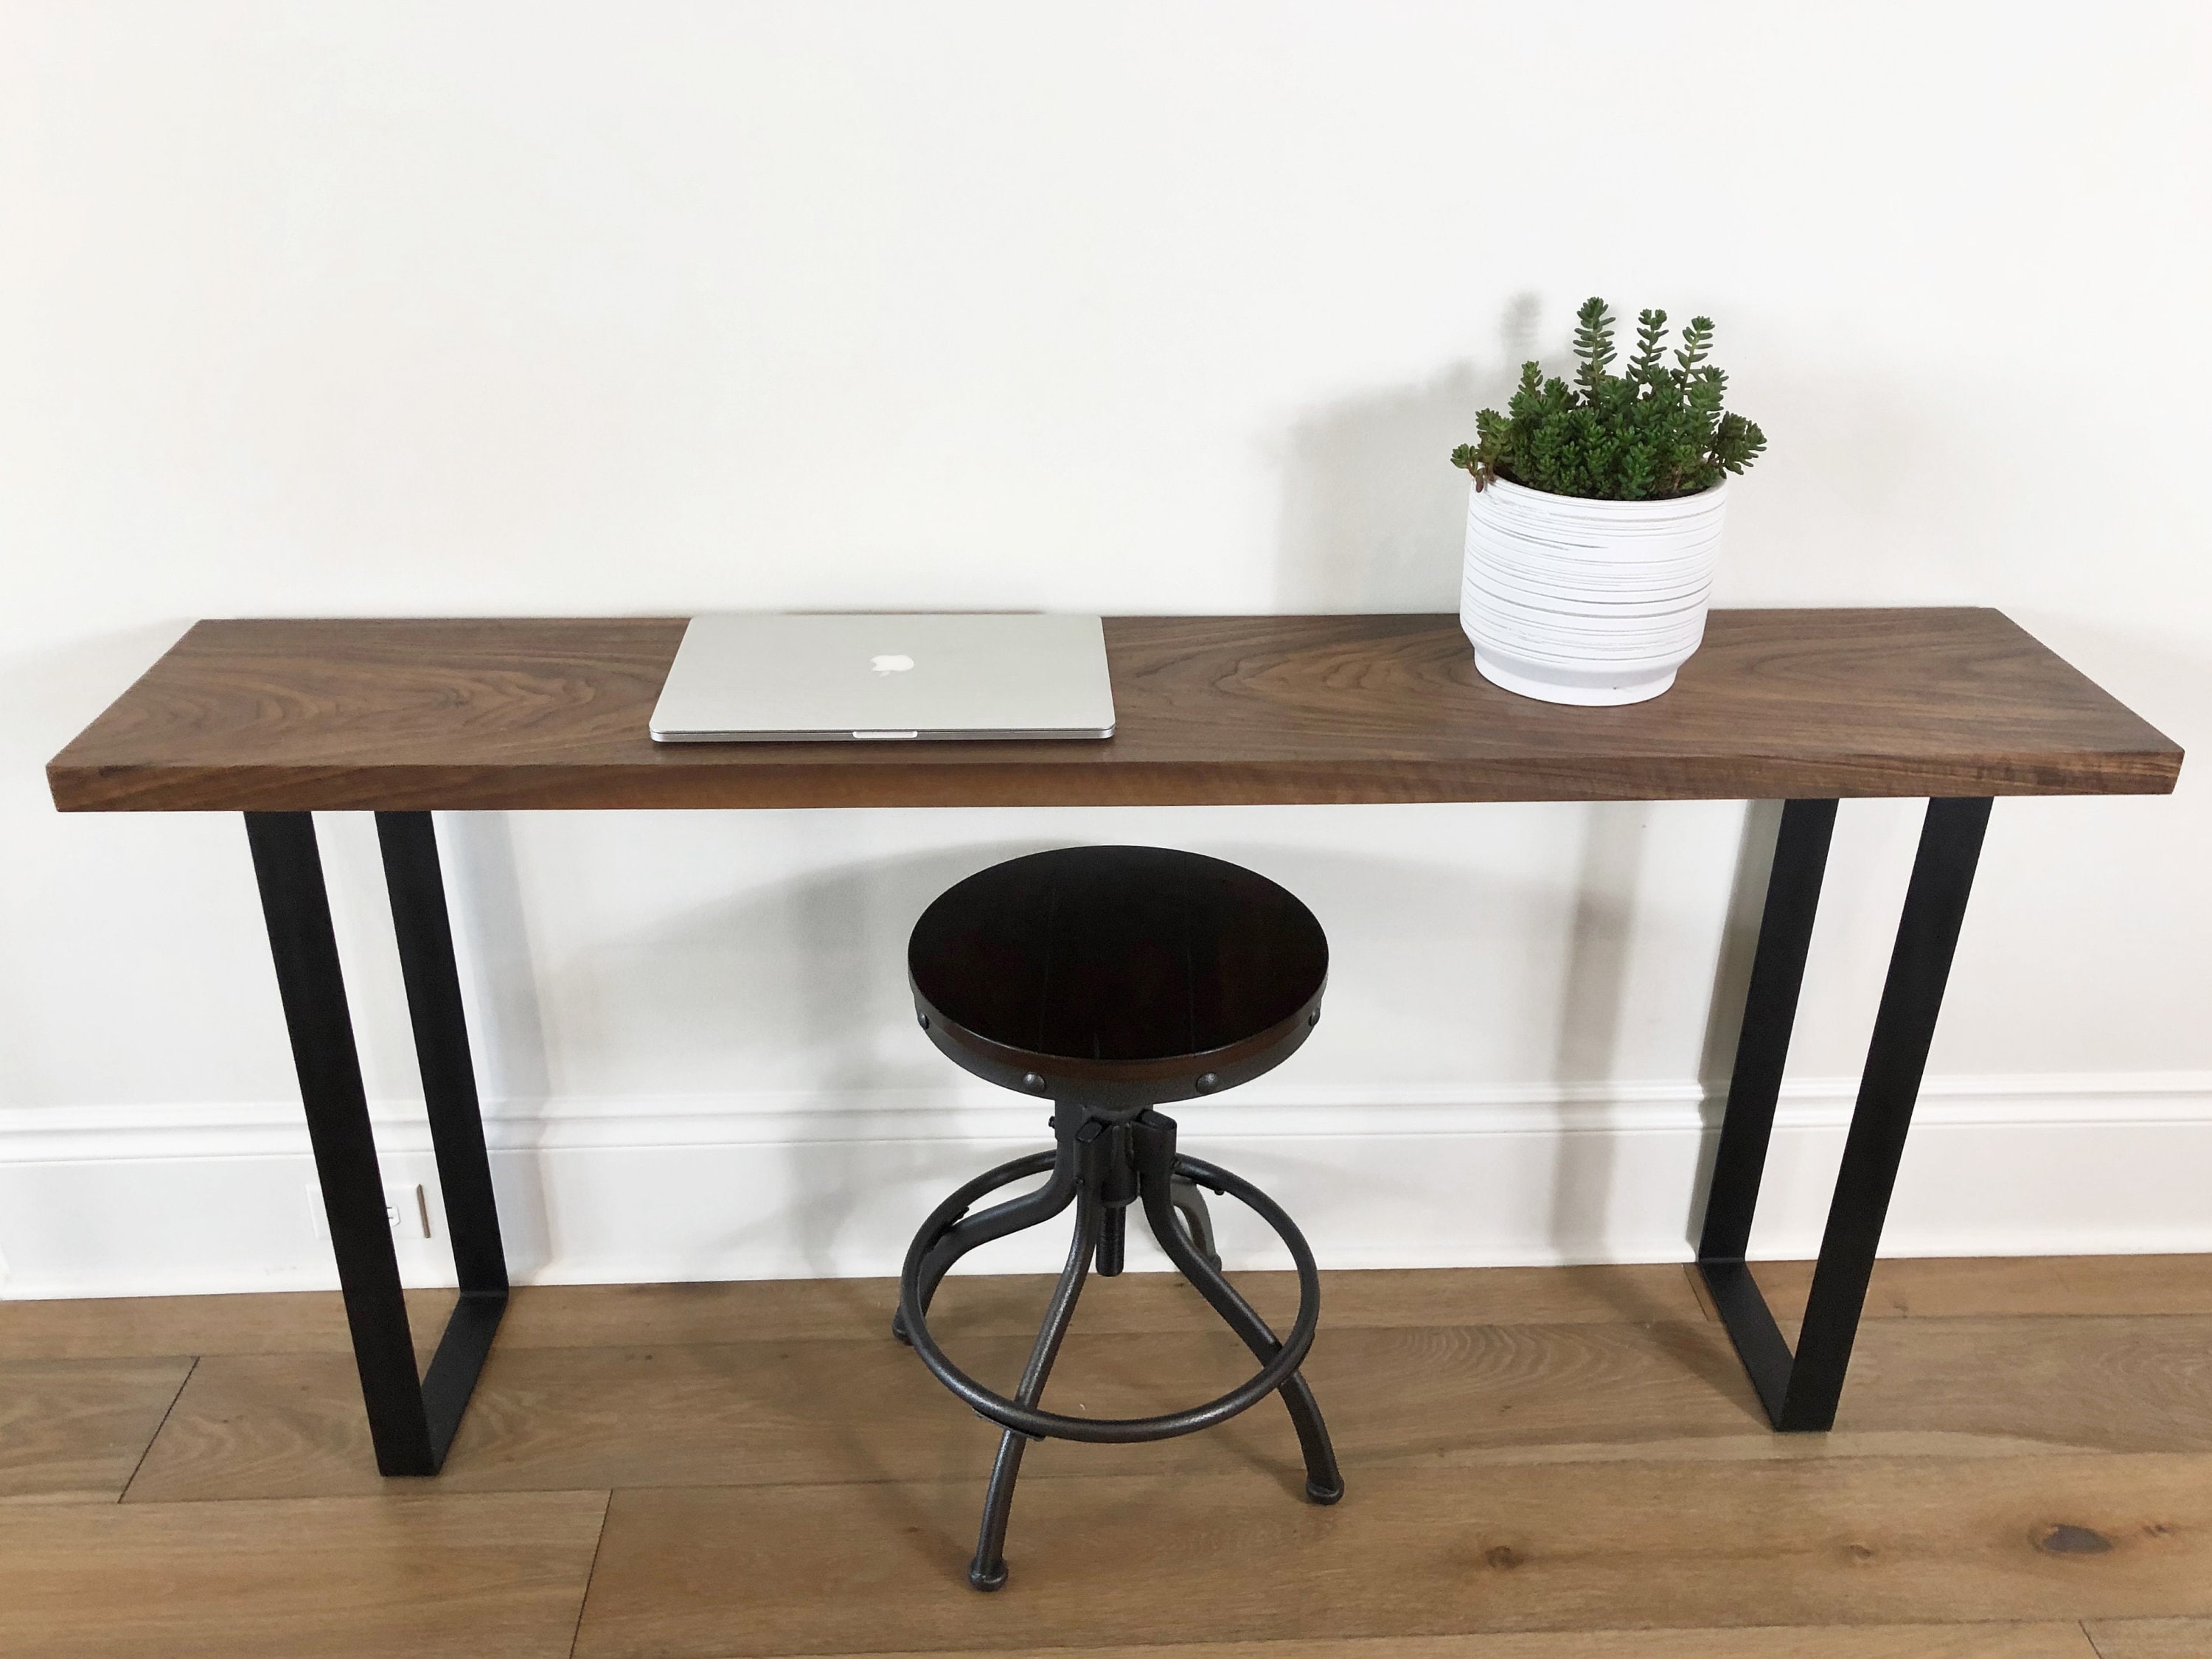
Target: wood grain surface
422 1577
1544 1464
779 1413
707 1572
1906 1287
765 1413
2006 1641
787 1309
122 1326
407 715
76 1428
2152 1638
782 1309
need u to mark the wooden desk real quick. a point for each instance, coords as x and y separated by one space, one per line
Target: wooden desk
279 719
411 716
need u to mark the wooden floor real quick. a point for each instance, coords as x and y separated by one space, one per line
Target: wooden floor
1541 1464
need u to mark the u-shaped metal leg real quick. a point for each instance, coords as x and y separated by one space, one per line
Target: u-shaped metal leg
988 1571
1324 1481
1198 1220
963 1233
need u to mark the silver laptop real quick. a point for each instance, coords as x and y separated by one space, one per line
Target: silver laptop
763 677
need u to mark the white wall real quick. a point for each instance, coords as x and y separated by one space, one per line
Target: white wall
449 308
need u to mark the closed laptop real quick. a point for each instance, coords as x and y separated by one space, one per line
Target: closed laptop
767 677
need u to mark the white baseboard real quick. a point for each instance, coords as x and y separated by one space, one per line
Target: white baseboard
146 1200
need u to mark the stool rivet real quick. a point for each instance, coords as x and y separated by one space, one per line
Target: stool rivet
1208 1082
1312 1020
924 1018
1032 1082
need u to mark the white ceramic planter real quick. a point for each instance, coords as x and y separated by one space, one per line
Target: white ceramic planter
1587 602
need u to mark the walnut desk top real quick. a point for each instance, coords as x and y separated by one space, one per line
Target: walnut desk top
523 713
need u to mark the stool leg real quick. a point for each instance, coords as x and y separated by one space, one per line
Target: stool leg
1030 1210
1190 1203
1324 1481
989 1569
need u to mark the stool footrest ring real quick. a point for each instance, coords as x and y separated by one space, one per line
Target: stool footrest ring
934 1250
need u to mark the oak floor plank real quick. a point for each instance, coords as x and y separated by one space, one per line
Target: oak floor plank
2152 1638
2046 1641
1984 1287
472 1577
771 1414
126 1327
1548 1423
2118 1384
75 1429
276 1425
728 1571
580 1315
775 1309
768 1414
1011 1304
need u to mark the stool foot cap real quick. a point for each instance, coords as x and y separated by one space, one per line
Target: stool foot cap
898 1329
1323 1494
995 1578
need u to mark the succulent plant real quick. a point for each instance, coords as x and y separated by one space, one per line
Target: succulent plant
1655 430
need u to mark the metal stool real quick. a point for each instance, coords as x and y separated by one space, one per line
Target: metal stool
1110 980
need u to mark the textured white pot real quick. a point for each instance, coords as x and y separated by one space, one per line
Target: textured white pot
1579 601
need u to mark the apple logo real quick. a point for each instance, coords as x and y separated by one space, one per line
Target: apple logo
893 663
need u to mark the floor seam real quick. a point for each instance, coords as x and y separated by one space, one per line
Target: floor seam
167 1411
599 1543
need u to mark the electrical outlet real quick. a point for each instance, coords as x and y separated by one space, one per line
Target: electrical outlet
406 1210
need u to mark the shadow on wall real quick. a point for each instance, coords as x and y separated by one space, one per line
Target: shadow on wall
1598 950
1599 939
798 967
803 967
1754 863
1373 514
779 966
507 1027
1373 520
794 967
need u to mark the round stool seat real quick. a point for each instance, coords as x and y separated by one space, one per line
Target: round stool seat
1124 976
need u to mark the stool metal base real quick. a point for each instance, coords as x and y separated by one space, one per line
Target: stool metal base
1101 1165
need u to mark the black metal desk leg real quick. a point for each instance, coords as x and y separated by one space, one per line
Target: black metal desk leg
1911 997
1800 1394
1769 1011
410 844
410 1424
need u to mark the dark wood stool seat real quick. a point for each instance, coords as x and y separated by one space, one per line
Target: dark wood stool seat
1126 976
1111 980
